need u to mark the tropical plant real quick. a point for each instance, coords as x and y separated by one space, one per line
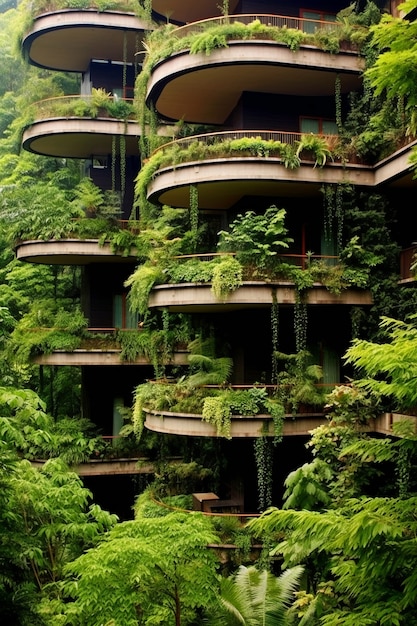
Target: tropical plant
389 368
257 239
27 428
257 598
299 380
48 521
317 145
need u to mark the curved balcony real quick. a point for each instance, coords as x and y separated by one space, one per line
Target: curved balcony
101 347
228 166
67 39
324 277
78 246
70 252
204 88
194 297
74 127
248 426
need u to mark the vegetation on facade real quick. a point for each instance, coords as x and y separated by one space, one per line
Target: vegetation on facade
344 538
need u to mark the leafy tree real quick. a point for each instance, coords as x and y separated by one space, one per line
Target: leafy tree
26 428
367 554
360 554
46 520
147 571
394 72
390 368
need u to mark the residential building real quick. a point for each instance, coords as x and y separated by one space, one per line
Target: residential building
273 91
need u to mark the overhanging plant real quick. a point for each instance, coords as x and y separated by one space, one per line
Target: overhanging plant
299 381
317 145
227 277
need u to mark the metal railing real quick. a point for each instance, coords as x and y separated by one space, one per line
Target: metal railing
300 260
217 138
306 25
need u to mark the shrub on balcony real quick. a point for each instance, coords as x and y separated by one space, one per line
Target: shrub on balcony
257 239
45 329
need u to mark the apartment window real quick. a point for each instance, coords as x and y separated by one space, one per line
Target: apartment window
318 126
125 92
122 315
315 16
99 162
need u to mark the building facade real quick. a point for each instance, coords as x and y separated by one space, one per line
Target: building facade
235 114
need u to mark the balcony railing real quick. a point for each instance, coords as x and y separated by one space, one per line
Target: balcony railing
221 137
84 107
299 260
276 21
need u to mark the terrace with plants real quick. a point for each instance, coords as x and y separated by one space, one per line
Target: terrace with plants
255 248
87 212
205 391
99 104
32 10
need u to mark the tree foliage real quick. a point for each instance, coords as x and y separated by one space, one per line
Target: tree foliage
147 571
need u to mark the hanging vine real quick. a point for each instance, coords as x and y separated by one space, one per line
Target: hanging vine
339 214
338 103
328 211
194 208
263 459
113 162
275 334
165 328
403 471
122 164
300 325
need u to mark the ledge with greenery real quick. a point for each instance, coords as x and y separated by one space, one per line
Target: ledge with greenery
168 40
99 104
86 212
205 390
29 10
252 250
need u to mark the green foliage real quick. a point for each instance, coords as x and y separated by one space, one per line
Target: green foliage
389 367
257 597
317 145
45 328
48 522
363 547
299 380
27 428
149 578
305 486
141 282
205 367
256 238
227 277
